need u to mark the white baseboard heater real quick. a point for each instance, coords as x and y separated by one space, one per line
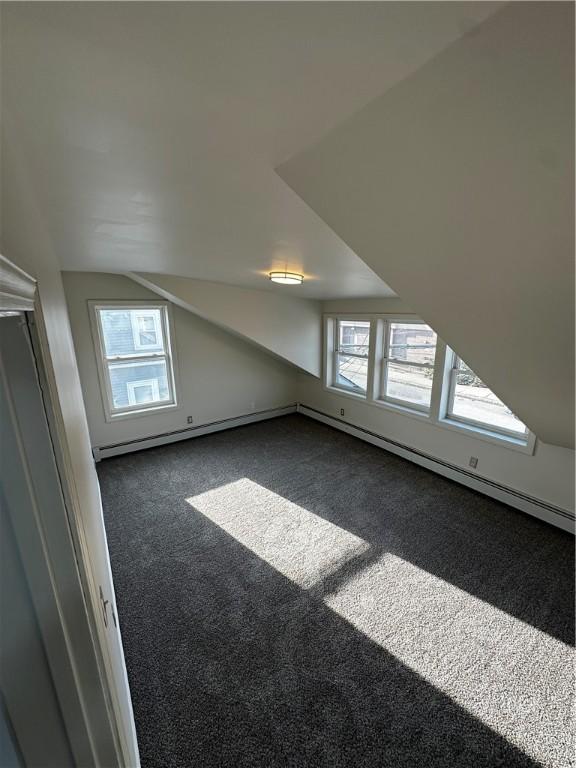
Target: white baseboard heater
557 516
140 443
562 518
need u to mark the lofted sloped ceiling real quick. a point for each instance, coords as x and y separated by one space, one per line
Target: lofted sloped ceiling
286 326
457 188
151 130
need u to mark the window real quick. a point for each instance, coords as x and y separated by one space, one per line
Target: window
134 357
471 402
408 364
351 350
145 391
407 368
146 329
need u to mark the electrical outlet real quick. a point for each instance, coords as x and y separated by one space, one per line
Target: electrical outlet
341 411
190 420
473 462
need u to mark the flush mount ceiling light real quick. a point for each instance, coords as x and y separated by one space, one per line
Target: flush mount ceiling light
286 278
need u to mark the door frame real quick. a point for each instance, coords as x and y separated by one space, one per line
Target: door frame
94 697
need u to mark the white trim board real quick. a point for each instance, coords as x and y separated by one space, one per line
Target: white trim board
561 518
139 444
17 288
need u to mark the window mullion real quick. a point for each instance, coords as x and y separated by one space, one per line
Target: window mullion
453 374
451 391
371 364
437 396
385 360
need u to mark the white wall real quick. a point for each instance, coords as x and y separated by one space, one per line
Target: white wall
26 241
457 188
219 374
375 306
283 324
548 475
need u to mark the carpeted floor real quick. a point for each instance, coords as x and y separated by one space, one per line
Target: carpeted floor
292 596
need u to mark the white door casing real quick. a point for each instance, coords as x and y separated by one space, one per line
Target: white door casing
100 674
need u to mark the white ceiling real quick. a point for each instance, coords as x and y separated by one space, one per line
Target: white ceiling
152 130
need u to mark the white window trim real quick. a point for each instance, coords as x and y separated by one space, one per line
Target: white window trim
136 330
437 414
331 353
112 414
132 386
384 364
479 428
451 416
488 435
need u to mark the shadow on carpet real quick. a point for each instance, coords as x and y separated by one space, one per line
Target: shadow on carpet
291 596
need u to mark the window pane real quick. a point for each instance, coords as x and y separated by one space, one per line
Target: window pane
354 336
147 332
473 400
409 383
412 342
352 373
131 331
138 383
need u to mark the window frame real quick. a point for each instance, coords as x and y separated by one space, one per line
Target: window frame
386 360
103 360
335 353
133 385
136 331
452 370
436 415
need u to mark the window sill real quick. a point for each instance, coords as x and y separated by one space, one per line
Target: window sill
505 441
112 417
346 393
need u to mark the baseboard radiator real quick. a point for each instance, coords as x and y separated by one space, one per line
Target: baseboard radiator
557 516
562 518
139 444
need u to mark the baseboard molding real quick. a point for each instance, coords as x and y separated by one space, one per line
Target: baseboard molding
139 444
561 518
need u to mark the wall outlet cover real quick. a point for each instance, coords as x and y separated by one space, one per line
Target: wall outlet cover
473 462
341 411
190 420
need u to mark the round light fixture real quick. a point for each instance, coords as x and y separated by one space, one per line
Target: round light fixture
286 278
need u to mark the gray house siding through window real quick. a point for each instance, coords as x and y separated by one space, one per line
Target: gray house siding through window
148 378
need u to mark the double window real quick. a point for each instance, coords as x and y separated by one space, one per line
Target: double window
408 368
134 357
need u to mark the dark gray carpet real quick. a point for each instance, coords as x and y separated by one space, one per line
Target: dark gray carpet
291 596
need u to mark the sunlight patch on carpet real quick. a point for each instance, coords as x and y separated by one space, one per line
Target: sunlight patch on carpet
477 654
300 545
